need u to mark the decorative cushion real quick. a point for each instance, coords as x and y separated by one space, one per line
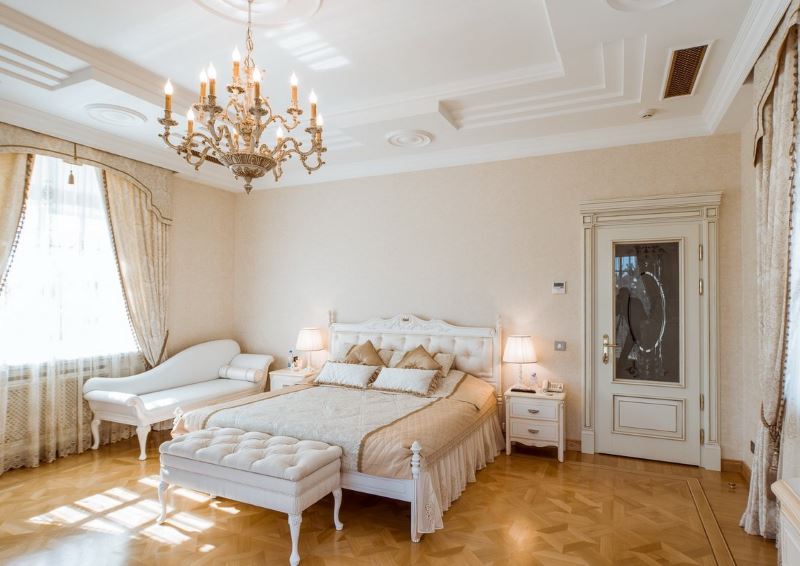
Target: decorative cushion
418 358
347 375
364 354
446 361
396 357
241 374
386 356
281 457
416 381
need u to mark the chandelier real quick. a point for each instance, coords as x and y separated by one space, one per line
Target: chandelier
232 136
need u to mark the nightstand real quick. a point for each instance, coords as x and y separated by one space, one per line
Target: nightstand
287 377
535 419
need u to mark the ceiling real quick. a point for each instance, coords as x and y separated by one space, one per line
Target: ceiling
403 85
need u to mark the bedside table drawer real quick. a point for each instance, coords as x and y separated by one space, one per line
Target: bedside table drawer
534 409
534 430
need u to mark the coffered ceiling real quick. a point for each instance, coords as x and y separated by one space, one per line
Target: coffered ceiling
403 85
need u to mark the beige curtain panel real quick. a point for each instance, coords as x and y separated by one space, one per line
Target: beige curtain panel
775 77
15 175
140 241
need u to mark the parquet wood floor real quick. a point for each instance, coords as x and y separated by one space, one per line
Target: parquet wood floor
99 508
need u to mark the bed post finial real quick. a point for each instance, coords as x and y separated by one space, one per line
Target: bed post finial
331 316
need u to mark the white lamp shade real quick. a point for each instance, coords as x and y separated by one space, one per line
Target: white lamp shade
309 340
519 350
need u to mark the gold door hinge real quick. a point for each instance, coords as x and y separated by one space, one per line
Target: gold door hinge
702 436
701 286
702 402
700 252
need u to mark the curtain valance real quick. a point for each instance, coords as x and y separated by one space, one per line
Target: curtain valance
766 69
153 181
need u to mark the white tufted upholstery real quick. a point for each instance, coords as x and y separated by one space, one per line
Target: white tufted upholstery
276 472
258 452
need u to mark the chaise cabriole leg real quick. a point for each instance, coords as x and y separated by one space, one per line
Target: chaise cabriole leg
95 433
162 499
142 431
337 504
294 529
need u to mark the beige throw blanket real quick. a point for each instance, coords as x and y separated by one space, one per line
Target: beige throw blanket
375 429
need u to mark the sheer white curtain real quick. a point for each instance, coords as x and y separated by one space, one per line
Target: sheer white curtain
790 436
62 318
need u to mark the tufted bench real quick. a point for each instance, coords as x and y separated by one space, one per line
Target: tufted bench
276 472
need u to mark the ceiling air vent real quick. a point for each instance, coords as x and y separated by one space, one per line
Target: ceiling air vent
684 70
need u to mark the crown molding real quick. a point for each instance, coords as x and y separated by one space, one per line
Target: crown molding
757 27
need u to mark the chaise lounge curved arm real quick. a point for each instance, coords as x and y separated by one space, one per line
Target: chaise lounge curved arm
188 380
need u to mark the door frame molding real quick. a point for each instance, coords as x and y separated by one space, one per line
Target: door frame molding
695 208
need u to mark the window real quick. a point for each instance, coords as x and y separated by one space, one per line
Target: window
63 298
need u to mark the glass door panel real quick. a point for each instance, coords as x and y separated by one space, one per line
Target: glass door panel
647 312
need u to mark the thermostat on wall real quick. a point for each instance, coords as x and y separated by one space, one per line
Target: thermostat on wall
559 287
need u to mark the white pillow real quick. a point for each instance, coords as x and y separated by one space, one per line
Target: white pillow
415 381
446 361
386 356
397 356
342 349
346 375
240 374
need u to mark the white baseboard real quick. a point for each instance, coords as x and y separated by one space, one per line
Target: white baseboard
711 457
587 441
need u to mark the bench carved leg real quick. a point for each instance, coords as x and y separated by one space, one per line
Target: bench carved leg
294 528
142 431
337 504
162 499
95 433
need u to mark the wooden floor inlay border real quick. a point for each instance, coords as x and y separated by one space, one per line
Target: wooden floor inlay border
722 552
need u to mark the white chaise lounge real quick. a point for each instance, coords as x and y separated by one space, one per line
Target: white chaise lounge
188 380
276 472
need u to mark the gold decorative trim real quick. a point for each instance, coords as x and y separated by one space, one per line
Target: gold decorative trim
23 209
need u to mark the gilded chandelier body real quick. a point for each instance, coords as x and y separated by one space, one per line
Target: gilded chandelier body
232 135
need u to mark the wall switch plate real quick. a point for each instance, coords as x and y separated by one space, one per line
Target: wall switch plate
560 346
559 287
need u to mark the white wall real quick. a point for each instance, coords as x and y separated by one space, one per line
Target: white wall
201 265
468 243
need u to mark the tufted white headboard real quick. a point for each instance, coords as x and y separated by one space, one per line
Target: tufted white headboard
477 350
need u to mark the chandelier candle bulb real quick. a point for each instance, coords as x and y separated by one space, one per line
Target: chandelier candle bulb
279 135
237 58
256 85
189 122
168 90
312 98
212 80
293 82
203 85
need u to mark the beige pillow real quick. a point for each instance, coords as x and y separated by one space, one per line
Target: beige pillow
419 358
365 355
446 361
342 349
419 382
397 356
346 375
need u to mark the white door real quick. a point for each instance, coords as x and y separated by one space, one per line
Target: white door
648 290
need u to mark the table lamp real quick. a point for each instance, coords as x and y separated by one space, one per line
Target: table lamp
519 350
309 340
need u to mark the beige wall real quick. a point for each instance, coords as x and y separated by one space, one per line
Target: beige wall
468 243
201 265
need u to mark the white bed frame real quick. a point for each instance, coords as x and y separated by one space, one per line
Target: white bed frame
477 352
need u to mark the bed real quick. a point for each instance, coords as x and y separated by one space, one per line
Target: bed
423 450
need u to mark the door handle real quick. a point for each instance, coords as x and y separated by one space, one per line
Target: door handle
607 347
533 430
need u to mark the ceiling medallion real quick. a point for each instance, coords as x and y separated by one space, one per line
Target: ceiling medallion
637 5
115 115
231 136
409 138
268 13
